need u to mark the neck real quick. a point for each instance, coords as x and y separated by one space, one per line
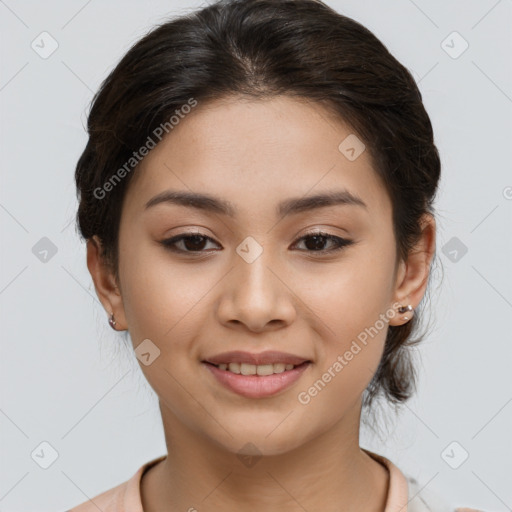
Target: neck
329 472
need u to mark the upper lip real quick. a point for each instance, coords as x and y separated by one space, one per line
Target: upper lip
267 357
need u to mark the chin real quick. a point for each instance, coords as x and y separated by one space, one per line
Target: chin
258 442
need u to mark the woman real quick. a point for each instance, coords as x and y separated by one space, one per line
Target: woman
257 198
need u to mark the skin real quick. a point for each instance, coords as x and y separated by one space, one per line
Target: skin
291 298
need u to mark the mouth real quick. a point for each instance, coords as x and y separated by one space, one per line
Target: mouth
256 381
256 375
253 369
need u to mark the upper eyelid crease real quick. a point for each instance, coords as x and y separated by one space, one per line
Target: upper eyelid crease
288 207
340 242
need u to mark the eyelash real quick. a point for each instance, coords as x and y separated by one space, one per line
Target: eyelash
341 243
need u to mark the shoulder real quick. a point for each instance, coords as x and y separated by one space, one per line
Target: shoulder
124 497
107 501
406 494
426 500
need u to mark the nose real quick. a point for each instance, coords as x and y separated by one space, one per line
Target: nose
256 297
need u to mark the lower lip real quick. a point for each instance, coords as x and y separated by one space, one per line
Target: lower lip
257 386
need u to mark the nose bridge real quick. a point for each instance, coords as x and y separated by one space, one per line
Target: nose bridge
256 296
256 283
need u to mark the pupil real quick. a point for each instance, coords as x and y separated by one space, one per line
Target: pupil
319 241
195 242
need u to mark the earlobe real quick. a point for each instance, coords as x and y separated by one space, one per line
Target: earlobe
105 282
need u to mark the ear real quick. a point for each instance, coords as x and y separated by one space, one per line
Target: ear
105 283
412 275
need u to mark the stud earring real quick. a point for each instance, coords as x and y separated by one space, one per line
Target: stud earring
404 309
112 322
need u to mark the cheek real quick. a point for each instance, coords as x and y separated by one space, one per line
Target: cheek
350 350
167 301
162 303
352 307
353 295
158 294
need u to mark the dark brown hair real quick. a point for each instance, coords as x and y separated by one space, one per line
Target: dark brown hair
260 49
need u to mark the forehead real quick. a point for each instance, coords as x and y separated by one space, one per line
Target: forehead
252 152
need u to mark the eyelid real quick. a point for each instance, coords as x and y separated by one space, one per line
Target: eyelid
340 242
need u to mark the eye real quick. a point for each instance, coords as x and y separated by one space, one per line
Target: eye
194 243
318 239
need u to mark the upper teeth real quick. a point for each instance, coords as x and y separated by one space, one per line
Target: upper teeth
253 369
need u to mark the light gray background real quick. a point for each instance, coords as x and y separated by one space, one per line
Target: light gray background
65 376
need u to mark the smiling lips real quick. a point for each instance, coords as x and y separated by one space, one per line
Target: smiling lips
256 375
262 358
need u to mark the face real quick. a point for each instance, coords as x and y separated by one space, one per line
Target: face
255 278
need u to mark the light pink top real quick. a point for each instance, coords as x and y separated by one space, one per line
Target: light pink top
126 497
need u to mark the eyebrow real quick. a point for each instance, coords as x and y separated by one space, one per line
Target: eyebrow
289 206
